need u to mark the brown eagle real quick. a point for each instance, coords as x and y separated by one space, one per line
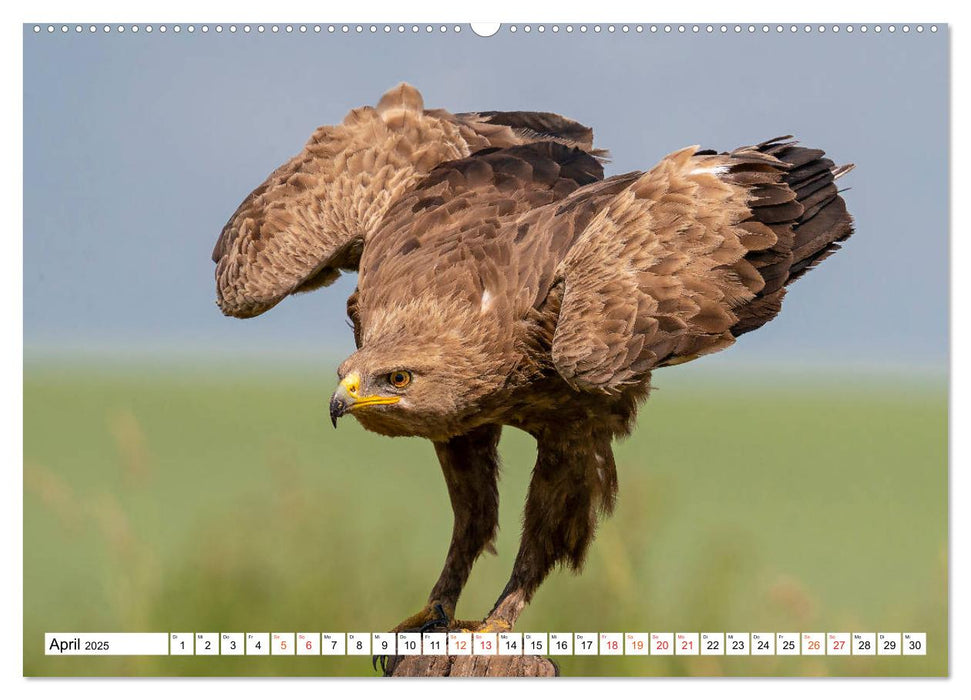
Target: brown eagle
502 280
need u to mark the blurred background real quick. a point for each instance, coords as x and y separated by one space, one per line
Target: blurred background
179 471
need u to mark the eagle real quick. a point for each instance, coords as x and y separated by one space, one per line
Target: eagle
504 281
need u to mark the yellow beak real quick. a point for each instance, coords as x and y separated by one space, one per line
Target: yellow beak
347 398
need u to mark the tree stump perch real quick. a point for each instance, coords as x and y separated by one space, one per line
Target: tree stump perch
471 666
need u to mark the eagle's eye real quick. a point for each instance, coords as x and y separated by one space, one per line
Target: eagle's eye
400 378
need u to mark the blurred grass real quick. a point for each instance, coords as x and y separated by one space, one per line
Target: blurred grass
198 500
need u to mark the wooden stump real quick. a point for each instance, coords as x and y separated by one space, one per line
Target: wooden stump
471 666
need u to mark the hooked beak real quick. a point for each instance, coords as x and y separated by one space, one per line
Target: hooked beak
347 398
338 407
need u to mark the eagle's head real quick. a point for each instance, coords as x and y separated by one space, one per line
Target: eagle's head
423 369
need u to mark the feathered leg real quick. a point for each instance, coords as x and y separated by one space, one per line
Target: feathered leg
470 464
574 479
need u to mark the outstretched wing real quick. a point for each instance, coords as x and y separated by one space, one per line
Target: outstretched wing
311 217
279 240
691 255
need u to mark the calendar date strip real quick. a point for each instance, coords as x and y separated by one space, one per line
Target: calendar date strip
486 644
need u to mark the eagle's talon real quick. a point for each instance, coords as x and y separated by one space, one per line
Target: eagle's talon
443 620
494 625
482 626
432 616
383 660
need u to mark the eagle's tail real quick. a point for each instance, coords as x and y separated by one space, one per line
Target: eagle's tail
807 215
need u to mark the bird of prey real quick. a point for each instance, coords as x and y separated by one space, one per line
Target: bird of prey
503 281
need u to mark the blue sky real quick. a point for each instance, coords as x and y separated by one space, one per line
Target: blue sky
137 148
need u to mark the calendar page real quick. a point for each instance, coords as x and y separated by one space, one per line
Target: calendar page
634 336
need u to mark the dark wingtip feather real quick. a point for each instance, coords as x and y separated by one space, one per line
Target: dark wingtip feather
815 223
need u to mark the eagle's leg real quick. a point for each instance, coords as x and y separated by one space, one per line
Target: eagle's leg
470 464
574 479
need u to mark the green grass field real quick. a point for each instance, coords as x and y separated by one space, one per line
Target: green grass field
195 500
